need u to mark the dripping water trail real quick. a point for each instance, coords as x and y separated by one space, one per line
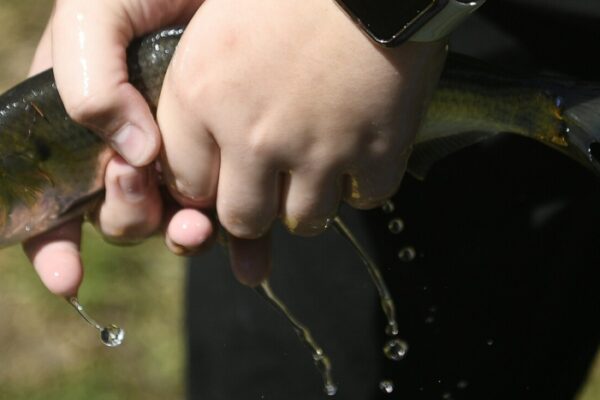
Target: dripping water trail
111 335
320 359
387 303
395 349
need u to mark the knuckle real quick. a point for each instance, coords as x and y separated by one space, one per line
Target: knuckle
263 144
245 223
308 220
90 110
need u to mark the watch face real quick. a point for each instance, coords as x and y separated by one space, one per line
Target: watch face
392 21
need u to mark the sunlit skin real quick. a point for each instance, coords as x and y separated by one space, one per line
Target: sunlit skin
242 106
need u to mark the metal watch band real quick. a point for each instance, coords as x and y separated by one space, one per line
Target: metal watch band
444 22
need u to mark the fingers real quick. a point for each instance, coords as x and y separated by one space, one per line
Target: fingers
90 39
132 208
55 257
248 198
375 182
189 231
309 201
190 155
250 259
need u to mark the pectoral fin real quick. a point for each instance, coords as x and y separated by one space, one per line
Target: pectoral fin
426 154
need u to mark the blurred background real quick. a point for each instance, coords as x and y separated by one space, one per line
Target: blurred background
46 350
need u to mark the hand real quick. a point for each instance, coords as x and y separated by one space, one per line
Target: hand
92 79
274 108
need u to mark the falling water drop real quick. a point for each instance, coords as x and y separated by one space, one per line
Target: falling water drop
387 302
447 396
395 349
490 342
462 384
386 386
388 207
391 328
111 335
320 359
407 254
396 225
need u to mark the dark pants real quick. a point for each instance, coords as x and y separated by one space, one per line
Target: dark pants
500 301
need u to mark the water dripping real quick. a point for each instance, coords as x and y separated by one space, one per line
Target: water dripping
320 359
388 207
462 384
111 335
407 254
490 342
396 226
386 301
447 396
386 386
395 349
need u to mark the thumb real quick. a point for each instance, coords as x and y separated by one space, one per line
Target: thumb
89 42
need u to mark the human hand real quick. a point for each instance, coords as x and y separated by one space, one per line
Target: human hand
277 108
97 96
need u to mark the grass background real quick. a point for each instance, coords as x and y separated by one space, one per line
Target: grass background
46 351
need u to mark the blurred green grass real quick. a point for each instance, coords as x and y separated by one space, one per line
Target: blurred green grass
46 350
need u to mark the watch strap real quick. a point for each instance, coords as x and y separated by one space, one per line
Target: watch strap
445 21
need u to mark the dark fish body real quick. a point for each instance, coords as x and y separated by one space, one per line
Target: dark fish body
51 169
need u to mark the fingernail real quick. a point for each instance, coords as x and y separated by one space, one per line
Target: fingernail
133 185
132 143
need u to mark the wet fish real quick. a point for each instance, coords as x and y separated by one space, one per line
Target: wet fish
51 169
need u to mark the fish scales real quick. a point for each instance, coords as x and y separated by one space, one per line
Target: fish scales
51 169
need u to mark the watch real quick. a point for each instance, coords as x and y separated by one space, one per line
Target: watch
392 22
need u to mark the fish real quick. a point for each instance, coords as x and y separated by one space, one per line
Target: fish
51 168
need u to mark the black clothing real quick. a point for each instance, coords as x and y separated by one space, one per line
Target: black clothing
500 301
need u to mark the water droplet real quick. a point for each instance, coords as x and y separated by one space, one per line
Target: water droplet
395 349
490 342
330 389
432 309
396 225
386 386
392 328
407 254
462 384
430 319
388 207
447 396
112 335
